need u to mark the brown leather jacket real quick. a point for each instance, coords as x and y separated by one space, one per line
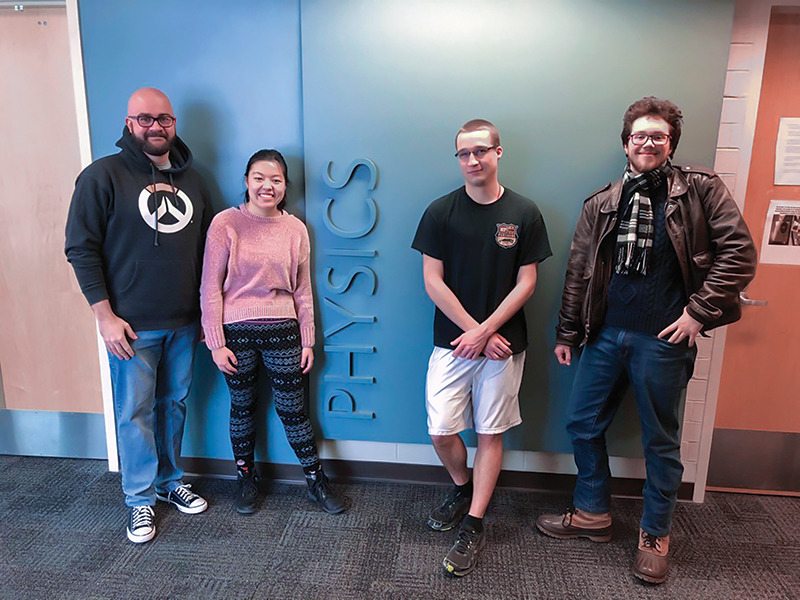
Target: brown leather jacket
715 251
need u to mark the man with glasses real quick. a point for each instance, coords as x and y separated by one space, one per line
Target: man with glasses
134 237
481 246
658 257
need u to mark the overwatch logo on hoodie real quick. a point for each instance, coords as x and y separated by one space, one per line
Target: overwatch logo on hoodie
168 206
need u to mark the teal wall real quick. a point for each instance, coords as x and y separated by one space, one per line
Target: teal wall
232 71
392 81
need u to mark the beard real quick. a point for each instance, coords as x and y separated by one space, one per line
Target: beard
149 148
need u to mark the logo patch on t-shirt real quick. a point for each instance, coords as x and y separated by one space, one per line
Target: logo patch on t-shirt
506 235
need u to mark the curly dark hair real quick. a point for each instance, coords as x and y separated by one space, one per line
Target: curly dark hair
650 106
273 156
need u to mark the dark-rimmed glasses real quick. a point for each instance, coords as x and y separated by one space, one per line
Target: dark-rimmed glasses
658 139
463 155
145 120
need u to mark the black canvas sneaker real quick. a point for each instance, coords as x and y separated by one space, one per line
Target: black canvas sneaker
184 500
141 526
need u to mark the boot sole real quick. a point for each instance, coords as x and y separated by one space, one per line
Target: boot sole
648 578
600 539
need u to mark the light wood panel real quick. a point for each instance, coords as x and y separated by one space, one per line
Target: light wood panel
48 349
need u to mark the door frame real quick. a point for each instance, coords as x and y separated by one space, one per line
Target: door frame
85 146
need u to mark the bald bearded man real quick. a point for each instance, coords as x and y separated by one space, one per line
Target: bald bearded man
134 237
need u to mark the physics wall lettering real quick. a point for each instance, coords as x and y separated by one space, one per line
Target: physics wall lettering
339 286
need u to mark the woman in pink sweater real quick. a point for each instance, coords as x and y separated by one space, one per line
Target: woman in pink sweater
257 305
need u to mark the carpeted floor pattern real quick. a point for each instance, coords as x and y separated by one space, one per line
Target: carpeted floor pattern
62 536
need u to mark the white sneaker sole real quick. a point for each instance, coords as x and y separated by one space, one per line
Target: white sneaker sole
141 539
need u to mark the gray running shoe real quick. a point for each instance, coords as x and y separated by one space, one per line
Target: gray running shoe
463 556
450 513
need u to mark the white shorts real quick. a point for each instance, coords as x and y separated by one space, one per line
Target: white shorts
482 394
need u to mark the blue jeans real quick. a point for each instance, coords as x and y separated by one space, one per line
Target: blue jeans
149 393
658 372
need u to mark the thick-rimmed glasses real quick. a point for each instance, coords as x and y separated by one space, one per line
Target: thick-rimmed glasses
145 120
463 155
658 139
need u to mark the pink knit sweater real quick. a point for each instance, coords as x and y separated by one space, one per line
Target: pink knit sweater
255 268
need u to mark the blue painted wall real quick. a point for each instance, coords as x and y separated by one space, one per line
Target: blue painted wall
232 71
392 81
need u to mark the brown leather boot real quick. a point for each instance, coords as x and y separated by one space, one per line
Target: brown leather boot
576 523
651 563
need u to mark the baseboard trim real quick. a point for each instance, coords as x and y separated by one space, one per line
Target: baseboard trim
726 490
82 435
349 470
52 433
762 461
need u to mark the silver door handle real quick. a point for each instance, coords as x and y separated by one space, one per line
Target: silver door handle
747 301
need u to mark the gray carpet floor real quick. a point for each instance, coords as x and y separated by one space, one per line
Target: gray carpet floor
62 536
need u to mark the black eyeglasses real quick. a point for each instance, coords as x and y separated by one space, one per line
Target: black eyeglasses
479 153
658 139
163 119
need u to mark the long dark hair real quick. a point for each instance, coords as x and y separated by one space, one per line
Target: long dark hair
274 156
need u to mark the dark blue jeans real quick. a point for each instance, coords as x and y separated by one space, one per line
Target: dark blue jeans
658 372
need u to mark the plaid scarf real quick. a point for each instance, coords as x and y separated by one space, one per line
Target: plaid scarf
636 232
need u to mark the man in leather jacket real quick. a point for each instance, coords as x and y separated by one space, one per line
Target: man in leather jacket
658 257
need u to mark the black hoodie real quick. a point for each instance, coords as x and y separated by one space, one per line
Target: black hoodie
150 275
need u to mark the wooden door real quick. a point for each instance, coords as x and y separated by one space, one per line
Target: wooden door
756 444
48 351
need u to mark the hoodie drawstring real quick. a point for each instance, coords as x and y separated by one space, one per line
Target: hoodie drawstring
172 186
155 212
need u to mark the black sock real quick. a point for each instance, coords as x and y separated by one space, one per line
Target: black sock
312 469
466 489
245 467
473 522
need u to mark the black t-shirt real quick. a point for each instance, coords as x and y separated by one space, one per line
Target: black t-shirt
482 248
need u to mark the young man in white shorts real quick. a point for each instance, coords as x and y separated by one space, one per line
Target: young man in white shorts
481 246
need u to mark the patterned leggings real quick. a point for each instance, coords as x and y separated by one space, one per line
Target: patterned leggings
280 350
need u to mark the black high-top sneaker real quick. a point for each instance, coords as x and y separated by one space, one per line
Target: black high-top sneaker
247 492
319 490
